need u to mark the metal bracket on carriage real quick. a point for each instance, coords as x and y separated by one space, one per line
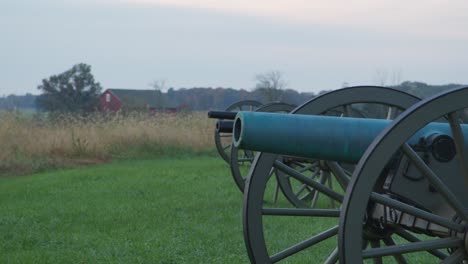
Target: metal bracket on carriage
387 216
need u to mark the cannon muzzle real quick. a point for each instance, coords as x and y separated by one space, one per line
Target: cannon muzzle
222 115
322 137
224 126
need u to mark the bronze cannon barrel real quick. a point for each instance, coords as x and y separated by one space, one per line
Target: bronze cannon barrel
322 137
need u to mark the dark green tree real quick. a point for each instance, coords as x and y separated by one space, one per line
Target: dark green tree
74 90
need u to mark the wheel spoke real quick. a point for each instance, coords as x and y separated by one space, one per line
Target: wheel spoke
300 177
304 244
376 244
346 111
226 147
339 173
413 247
273 170
306 196
459 143
322 180
301 189
398 257
275 195
436 182
313 203
411 238
301 212
376 197
245 159
333 258
330 185
457 257
391 113
308 167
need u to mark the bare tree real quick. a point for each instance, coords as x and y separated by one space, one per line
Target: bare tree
384 77
159 86
396 77
380 77
271 85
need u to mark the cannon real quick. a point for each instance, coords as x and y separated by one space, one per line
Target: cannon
261 231
224 126
222 115
334 103
239 159
410 183
359 101
344 102
223 139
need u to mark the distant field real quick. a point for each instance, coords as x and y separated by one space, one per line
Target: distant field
150 211
34 143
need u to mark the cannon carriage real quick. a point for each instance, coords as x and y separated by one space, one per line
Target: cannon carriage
409 185
348 102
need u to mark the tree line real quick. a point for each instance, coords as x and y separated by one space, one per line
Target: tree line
205 98
76 90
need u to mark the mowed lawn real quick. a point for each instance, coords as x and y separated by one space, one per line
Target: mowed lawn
154 211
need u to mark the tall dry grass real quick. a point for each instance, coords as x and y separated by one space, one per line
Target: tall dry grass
31 143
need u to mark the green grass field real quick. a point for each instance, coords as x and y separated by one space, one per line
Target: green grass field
153 211
158 211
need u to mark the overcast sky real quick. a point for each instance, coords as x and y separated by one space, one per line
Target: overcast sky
210 43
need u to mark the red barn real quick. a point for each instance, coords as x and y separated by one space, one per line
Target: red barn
126 99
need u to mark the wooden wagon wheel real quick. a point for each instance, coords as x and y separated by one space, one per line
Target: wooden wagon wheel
434 193
266 227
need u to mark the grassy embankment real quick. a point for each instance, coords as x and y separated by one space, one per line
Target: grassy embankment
35 143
